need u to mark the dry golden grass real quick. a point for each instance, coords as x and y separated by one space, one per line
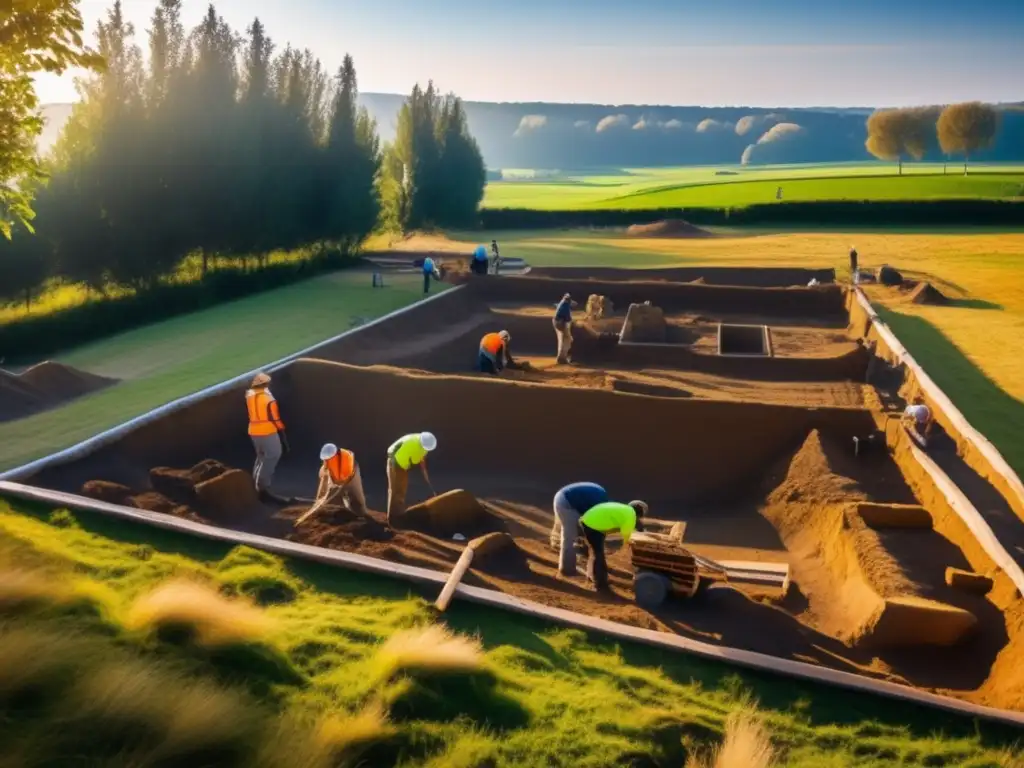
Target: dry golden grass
431 649
746 745
343 736
19 588
213 619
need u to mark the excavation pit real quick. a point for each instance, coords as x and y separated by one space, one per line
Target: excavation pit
762 468
744 340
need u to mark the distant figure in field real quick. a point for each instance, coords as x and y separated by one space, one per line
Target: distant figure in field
429 272
853 264
496 255
778 193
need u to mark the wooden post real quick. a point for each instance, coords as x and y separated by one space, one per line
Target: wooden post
454 578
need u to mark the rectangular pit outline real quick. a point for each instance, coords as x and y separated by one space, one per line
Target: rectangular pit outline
721 653
766 343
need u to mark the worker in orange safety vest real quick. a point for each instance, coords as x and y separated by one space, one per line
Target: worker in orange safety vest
494 356
340 475
266 429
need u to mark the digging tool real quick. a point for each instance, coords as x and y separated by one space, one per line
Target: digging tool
318 505
482 545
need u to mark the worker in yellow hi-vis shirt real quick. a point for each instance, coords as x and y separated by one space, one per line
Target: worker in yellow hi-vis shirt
597 523
404 453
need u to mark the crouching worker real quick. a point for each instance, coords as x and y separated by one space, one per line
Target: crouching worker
600 520
494 356
404 453
340 476
571 503
918 419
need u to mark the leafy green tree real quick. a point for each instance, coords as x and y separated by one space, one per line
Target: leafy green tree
966 129
35 36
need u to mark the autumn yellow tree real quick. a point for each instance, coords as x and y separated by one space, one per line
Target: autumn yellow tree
897 133
968 128
35 36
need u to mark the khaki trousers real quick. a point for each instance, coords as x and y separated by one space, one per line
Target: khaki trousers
563 333
398 484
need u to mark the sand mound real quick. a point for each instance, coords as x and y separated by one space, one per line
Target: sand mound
645 324
449 513
857 589
231 493
44 386
111 493
115 493
667 228
180 484
926 293
698 281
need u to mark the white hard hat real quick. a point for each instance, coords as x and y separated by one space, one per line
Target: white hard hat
328 451
428 441
505 336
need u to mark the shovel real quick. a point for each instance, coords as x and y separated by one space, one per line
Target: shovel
331 493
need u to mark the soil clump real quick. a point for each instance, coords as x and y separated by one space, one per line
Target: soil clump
926 293
667 228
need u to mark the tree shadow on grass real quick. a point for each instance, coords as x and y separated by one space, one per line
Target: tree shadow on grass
996 414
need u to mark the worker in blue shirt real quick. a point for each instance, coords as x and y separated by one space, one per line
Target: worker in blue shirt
478 264
429 271
563 328
571 503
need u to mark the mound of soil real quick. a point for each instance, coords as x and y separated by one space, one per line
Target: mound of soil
449 513
644 323
44 386
667 228
336 527
115 493
180 484
231 493
926 293
857 585
698 281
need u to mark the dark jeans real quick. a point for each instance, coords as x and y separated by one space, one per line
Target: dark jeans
426 282
487 365
597 565
478 267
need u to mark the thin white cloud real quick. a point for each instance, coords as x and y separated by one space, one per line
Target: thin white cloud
581 124
672 125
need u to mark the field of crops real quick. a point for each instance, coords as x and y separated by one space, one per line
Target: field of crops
733 186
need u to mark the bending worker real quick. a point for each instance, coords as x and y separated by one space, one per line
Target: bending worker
429 272
563 328
494 356
340 476
404 453
267 433
602 519
918 417
571 502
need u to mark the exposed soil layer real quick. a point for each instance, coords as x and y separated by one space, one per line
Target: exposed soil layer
667 228
757 277
44 386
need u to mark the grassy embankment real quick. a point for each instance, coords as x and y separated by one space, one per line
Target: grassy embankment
738 186
160 362
108 659
970 347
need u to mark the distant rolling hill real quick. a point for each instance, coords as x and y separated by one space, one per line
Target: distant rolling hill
580 136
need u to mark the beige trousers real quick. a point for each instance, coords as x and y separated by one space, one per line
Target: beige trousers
398 484
563 332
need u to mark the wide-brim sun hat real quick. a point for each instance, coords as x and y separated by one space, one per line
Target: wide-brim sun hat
328 451
428 441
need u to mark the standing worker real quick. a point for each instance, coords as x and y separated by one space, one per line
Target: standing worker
571 503
403 454
853 265
478 264
340 475
429 272
494 356
267 433
497 256
563 328
602 519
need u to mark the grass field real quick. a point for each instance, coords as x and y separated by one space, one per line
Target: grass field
300 679
971 348
737 186
167 360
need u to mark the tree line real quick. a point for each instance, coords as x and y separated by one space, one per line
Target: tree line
222 148
958 129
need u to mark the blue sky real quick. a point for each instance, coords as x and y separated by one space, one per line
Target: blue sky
704 52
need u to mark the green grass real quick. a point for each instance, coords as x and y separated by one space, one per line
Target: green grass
733 186
533 694
167 360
